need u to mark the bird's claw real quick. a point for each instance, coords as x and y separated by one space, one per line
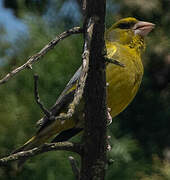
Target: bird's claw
109 117
108 146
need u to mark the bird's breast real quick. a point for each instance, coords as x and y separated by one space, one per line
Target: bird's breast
123 82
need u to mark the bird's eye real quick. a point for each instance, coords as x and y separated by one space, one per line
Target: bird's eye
125 25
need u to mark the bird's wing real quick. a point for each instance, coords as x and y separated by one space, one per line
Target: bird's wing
63 101
70 85
66 135
68 93
111 50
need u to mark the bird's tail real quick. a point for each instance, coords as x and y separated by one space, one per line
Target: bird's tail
31 143
26 146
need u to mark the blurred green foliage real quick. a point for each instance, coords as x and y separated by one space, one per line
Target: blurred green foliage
140 135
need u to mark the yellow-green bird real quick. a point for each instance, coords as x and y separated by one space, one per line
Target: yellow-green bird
124 43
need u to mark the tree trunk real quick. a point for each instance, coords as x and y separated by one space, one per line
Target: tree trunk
94 152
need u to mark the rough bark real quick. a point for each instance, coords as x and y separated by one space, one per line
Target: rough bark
94 154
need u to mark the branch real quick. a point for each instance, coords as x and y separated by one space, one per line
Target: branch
37 97
113 61
31 60
67 146
75 168
80 86
94 154
81 81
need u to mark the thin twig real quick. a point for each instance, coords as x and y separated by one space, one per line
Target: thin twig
37 97
74 167
85 65
113 61
62 116
67 146
81 81
31 60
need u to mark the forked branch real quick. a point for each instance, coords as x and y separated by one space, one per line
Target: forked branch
66 146
31 60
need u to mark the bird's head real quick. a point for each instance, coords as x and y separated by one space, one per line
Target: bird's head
128 30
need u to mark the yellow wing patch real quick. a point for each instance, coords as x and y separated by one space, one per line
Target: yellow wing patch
111 50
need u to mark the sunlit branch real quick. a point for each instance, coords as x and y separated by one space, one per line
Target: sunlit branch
67 146
31 60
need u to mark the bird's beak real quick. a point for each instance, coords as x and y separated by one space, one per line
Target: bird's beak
143 28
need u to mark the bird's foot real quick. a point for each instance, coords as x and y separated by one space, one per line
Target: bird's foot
109 117
108 146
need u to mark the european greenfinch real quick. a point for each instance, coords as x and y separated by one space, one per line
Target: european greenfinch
124 43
